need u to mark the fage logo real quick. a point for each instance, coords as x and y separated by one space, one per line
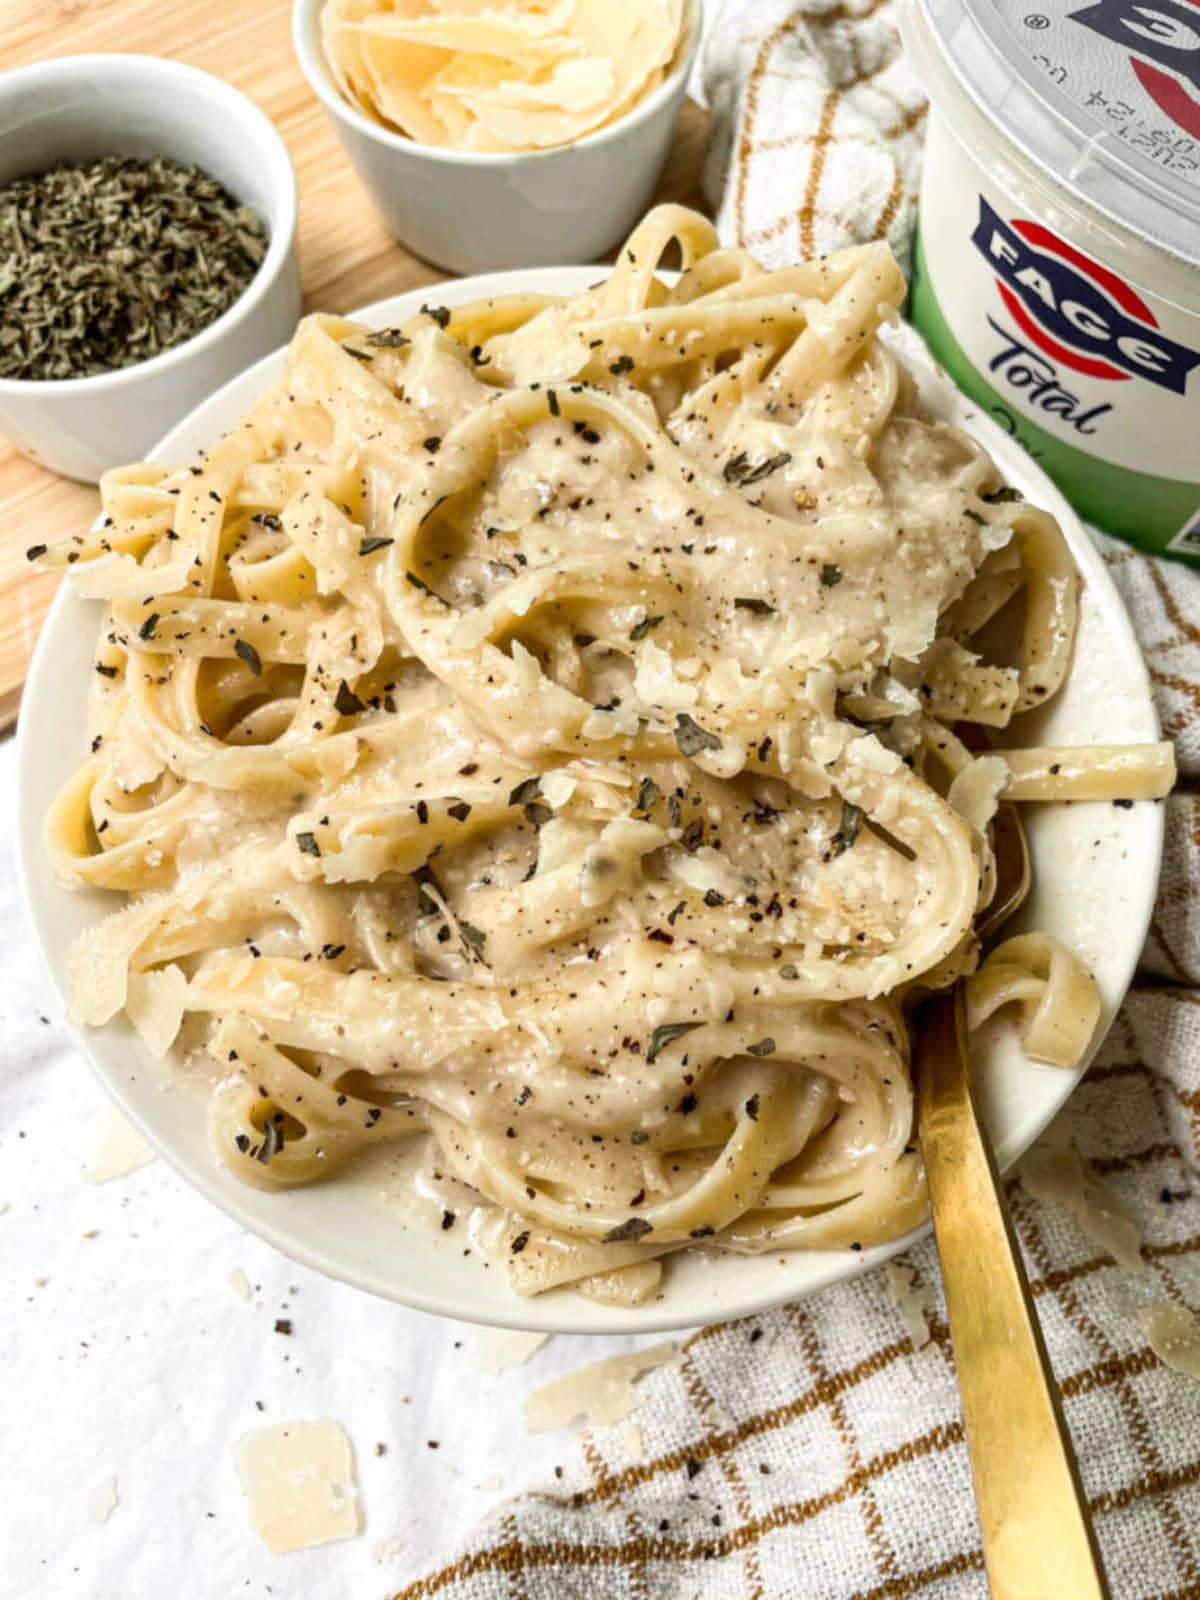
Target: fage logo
1159 34
1076 311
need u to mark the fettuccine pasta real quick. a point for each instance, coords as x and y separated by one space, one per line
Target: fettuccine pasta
538 739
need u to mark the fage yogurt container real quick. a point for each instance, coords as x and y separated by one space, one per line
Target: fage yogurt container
1057 275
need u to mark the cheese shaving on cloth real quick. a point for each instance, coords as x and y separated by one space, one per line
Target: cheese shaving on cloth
547 766
601 1394
516 75
298 1479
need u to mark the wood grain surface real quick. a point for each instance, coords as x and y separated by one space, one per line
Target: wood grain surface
346 255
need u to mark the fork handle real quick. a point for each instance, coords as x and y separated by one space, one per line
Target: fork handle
1038 1541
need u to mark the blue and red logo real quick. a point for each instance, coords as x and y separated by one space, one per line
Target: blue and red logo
1165 35
1076 311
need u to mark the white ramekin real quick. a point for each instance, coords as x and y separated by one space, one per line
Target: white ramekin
82 107
471 212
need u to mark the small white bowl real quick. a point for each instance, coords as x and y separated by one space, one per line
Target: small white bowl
483 212
80 108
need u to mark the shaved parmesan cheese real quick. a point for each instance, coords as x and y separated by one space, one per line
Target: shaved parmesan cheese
98 965
501 77
239 1283
975 792
557 788
298 1479
600 1394
912 1300
102 1500
155 1003
1052 1172
655 682
1173 1333
119 1150
498 1349
614 861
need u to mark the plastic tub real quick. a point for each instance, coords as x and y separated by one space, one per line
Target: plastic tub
1057 275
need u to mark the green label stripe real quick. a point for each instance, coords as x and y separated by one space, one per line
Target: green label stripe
1144 510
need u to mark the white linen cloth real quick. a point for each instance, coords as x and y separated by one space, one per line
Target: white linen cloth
814 1452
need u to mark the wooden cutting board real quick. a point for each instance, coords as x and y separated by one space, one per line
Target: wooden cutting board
346 255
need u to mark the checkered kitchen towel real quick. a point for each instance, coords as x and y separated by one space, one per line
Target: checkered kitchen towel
817 1452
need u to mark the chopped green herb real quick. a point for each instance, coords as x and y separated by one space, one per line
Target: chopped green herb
626 1232
419 583
648 793
664 1034
308 844
387 339
764 1047
440 314
847 833
369 546
752 1108
359 355
741 470
675 912
519 1243
691 737
621 365
638 1137
831 574
460 811
791 971
749 602
146 631
552 402
249 655
528 789
426 904
1003 496
35 552
346 702
642 628
472 936
974 516
271 1145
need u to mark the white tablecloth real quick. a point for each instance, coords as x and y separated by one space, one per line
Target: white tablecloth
125 1351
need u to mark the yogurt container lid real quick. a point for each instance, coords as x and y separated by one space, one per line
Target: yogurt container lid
1103 95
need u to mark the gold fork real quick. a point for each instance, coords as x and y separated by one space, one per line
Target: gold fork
1038 1541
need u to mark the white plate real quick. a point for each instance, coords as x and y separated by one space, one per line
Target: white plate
1095 871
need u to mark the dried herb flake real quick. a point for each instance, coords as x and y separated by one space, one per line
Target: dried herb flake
627 1232
691 737
249 655
741 470
664 1034
849 827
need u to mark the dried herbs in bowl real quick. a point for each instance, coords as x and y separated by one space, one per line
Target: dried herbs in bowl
106 263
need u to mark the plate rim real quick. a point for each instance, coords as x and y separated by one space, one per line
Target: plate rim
552 1314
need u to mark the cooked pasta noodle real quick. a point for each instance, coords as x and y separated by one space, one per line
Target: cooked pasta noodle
540 733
